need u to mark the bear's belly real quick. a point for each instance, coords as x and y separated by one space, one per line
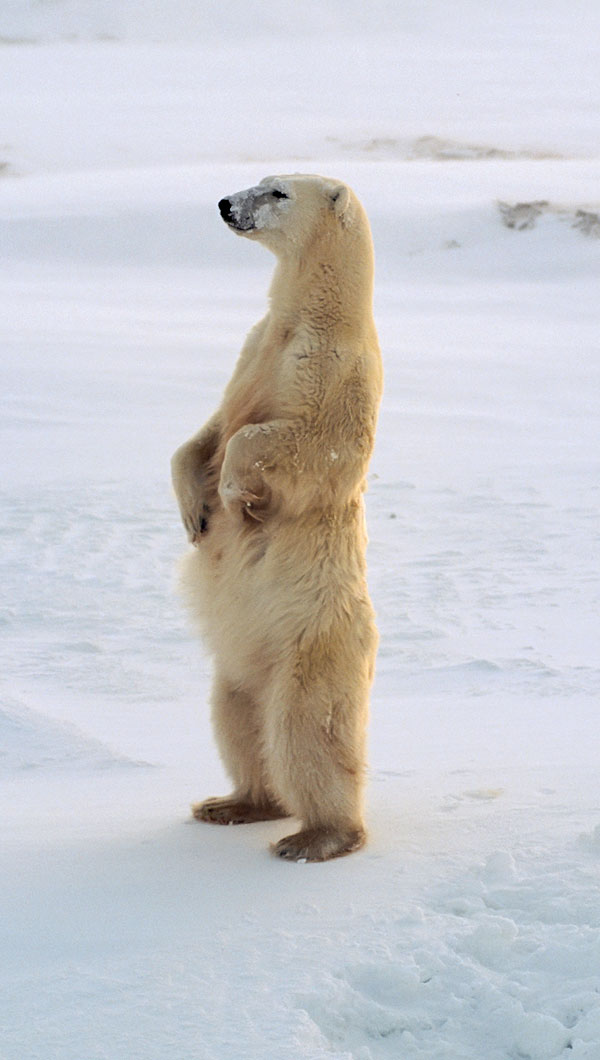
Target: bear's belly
256 592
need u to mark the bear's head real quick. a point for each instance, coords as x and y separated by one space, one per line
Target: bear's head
286 212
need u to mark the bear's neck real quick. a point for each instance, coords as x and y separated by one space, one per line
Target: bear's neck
331 287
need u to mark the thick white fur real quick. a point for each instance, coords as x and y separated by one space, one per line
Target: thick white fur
270 492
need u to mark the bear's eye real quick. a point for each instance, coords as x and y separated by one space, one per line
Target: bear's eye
278 194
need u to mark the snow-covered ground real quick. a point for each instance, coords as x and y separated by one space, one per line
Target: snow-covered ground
469 928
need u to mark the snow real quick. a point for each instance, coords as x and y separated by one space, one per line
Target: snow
469 927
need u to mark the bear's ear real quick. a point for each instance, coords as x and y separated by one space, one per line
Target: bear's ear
339 198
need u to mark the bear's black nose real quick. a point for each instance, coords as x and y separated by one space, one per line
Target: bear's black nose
225 209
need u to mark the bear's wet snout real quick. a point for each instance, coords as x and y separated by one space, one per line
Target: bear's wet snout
225 209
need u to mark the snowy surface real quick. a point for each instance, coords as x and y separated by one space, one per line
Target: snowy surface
469 928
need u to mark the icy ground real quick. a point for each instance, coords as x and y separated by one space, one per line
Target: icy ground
469 928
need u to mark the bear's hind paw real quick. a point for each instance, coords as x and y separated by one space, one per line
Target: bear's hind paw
229 810
320 844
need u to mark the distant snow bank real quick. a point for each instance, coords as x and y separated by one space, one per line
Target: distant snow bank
189 20
47 20
30 740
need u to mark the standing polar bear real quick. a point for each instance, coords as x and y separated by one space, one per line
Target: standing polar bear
270 493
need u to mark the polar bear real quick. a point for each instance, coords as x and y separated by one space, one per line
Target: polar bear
270 494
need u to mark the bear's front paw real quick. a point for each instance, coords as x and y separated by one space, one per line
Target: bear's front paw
196 520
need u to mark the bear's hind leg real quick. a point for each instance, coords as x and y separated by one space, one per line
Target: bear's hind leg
316 755
237 727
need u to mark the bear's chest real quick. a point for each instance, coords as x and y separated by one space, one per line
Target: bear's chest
263 389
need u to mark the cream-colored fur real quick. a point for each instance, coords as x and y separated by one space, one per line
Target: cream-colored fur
270 492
